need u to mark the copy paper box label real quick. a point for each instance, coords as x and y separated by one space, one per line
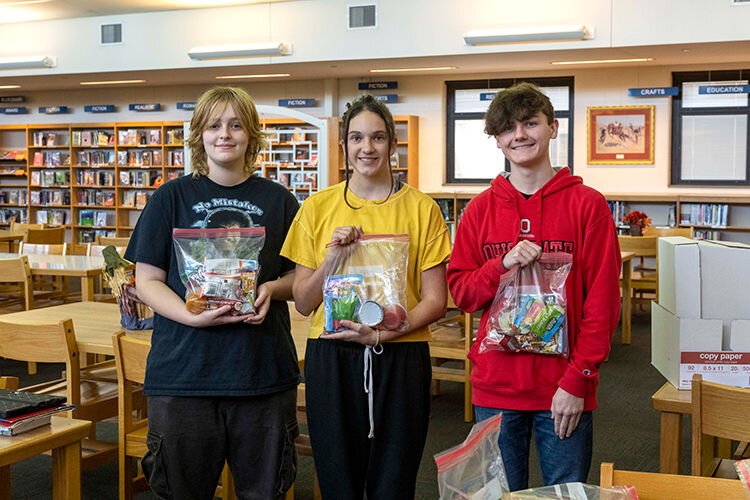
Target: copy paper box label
724 367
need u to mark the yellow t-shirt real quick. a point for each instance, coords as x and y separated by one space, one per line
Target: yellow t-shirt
408 211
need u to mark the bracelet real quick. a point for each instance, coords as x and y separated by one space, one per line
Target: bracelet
377 343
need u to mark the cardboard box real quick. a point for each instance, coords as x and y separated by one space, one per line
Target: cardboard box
739 339
680 276
682 347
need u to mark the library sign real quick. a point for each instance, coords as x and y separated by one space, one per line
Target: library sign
187 106
653 91
297 103
378 85
12 99
145 107
17 110
100 108
724 89
389 98
54 110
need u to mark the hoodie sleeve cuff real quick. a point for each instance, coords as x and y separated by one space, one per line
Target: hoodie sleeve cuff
575 382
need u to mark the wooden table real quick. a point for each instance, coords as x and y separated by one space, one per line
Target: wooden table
63 437
672 405
627 304
80 266
10 237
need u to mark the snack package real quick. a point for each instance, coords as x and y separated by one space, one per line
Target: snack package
575 491
474 469
219 267
119 275
529 312
367 283
743 472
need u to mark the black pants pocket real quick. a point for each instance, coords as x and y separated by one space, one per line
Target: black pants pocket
288 467
153 466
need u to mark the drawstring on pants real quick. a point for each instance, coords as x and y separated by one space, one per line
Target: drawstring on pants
369 350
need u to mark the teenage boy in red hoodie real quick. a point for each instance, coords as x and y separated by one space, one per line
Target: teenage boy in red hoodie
532 210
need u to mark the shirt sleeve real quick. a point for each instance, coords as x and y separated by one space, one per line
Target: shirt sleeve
437 246
299 245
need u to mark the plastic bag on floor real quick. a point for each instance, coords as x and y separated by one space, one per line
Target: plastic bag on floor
575 491
474 469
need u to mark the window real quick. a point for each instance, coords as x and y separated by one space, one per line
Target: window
710 130
474 158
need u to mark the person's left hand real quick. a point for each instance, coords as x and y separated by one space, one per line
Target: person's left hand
262 304
355 332
566 411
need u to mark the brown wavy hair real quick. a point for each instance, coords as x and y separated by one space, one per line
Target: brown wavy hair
517 103
214 101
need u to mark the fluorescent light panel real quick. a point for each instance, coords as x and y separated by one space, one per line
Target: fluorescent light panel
10 86
270 75
27 62
403 70
244 50
113 82
604 61
529 34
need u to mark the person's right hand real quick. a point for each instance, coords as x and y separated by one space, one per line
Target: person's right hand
523 254
215 317
344 235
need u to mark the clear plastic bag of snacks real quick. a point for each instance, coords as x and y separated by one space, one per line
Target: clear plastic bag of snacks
474 469
575 491
529 313
219 267
366 283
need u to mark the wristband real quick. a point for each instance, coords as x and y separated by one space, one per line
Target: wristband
377 343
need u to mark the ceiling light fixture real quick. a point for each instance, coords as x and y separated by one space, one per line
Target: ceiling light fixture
27 62
3 87
244 50
604 61
402 70
113 82
529 34
270 75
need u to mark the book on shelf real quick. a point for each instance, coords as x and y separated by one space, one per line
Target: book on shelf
128 199
100 218
86 138
38 159
58 218
86 217
41 217
141 198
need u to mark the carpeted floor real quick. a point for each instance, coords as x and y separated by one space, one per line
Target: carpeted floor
625 425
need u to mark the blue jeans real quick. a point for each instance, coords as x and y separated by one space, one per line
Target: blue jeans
562 460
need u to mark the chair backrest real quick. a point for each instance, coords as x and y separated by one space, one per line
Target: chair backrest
656 486
130 360
9 383
52 235
50 343
717 411
641 246
96 250
42 249
116 241
18 226
687 232
18 271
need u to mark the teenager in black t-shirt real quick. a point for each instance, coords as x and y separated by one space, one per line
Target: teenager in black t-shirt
220 386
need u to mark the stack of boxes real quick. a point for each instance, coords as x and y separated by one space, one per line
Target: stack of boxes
702 321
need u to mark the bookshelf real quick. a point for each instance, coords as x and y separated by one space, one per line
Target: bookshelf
452 206
405 161
13 175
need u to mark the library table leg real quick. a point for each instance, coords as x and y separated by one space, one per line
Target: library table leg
5 481
87 289
66 472
669 442
627 306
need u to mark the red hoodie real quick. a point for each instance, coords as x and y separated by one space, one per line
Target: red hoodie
564 215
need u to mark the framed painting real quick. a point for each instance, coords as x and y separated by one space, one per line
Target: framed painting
620 135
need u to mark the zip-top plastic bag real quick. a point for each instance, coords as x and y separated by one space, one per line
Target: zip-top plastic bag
529 313
575 491
219 267
366 283
474 469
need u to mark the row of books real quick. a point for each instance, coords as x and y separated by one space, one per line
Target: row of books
50 178
283 135
140 178
51 159
96 198
139 158
49 139
176 158
22 411
12 155
139 137
13 197
706 234
88 138
12 214
175 136
297 179
96 158
56 197
96 218
52 217
95 178
90 235
136 199
704 214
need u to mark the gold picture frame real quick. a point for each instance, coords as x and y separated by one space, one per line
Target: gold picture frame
620 135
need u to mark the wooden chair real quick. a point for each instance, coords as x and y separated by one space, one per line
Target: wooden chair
46 287
116 241
719 411
656 486
17 289
42 249
96 250
52 235
56 343
130 359
687 232
644 278
9 383
18 226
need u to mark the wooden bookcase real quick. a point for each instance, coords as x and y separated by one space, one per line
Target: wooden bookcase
13 175
405 162
452 206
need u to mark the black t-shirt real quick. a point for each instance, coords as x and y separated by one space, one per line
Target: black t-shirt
227 360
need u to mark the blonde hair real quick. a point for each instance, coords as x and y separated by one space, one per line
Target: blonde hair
209 104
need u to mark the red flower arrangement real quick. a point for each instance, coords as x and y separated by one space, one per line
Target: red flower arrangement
635 217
